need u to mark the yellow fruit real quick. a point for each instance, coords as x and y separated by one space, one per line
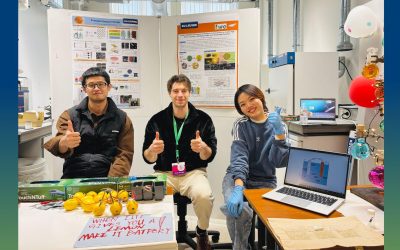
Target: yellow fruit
123 195
91 193
79 196
102 196
87 203
111 197
132 206
116 208
114 194
99 208
198 57
70 204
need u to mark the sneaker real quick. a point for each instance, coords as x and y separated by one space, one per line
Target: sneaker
203 243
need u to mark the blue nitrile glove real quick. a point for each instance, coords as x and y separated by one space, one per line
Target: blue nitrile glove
235 202
276 121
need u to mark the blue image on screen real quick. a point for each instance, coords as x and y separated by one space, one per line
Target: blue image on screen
319 108
316 170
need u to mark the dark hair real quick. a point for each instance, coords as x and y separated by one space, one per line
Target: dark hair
253 91
95 71
181 78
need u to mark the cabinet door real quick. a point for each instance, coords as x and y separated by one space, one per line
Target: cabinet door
294 141
280 89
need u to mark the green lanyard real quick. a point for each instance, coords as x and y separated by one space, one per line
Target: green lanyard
178 134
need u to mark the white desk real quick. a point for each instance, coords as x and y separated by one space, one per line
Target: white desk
30 142
55 229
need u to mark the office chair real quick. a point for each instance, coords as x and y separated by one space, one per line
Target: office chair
183 235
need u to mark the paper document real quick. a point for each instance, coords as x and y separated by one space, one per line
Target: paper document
323 233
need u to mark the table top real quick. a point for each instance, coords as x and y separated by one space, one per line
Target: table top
267 209
25 135
55 228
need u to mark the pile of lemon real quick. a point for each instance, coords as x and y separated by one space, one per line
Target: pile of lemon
96 203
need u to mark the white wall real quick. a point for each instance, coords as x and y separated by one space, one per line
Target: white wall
33 52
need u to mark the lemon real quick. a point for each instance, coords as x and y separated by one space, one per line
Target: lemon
70 204
91 193
102 196
87 203
116 208
123 195
79 196
132 206
99 208
198 57
112 196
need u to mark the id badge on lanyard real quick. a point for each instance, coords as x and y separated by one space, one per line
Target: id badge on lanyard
178 168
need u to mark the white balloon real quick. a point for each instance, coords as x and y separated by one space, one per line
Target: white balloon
361 22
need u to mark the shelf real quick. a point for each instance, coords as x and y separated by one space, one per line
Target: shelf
25 135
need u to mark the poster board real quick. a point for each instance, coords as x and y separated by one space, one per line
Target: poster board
207 54
110 44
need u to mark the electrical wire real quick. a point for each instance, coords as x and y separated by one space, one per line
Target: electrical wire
346 115
347 70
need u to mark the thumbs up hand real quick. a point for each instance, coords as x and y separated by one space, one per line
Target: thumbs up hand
276 121
71 139
157 147
197 144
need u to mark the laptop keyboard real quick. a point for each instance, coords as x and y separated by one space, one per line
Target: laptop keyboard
307 196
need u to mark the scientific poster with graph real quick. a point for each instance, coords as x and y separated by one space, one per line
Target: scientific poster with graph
207 54
109 43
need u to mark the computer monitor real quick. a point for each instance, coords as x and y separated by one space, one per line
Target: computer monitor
319 108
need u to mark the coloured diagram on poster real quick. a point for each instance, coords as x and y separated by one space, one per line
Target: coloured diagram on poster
109 43
315 171
207 54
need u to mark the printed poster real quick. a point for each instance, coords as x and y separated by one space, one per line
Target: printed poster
207 54
109 43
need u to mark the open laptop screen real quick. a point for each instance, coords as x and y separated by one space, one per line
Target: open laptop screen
319 108
324 172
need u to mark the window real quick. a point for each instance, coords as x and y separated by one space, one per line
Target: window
136 8
183 7
57 4
194 7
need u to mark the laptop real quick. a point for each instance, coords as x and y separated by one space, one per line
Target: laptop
314 180
320 110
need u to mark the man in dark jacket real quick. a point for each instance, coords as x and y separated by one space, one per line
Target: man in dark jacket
181 141
95 137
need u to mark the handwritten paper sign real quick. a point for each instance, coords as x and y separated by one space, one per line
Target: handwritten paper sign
127 229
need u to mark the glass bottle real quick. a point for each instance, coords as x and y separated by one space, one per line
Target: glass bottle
382 125
370 71
360 148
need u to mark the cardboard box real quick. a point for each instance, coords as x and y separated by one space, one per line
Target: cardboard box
125 183
51 190
85 185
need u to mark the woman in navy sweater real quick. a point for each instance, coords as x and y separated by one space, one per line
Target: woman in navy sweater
258 148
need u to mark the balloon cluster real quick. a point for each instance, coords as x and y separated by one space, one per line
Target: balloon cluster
367 90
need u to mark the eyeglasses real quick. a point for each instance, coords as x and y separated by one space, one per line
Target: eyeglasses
93 85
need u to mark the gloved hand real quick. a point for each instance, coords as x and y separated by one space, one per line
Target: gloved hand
235 202
276 121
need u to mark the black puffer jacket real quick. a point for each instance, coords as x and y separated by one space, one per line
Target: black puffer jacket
99 141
